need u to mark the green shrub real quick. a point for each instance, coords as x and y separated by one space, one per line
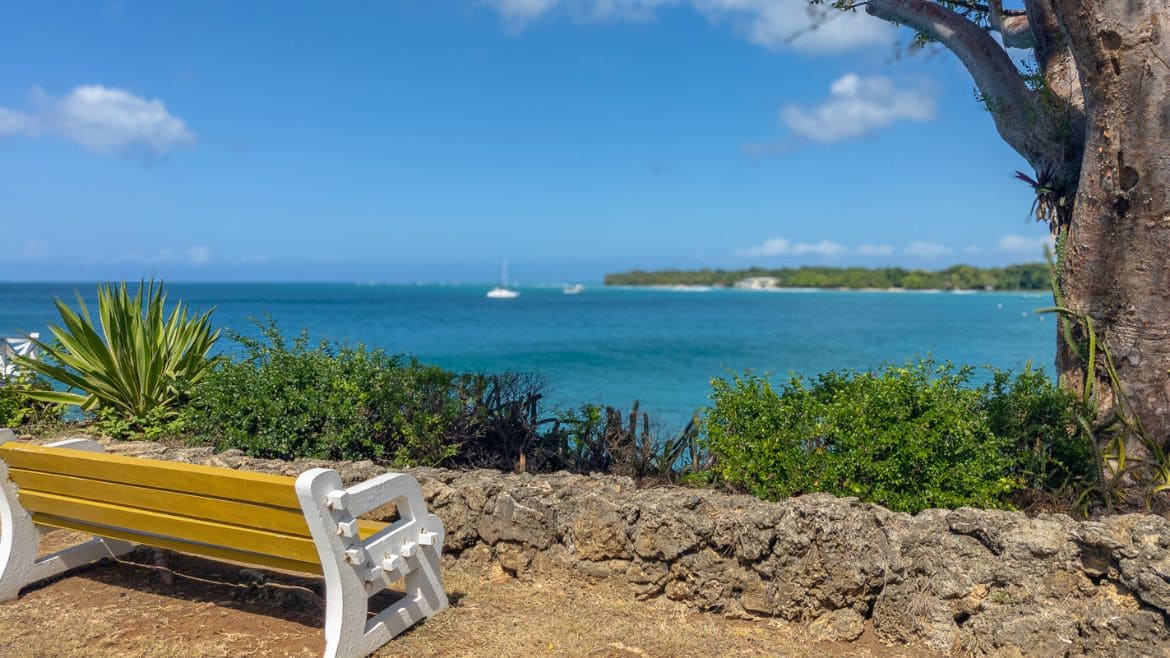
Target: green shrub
134 365
285 399
293 400
18 409
908 437
1039 421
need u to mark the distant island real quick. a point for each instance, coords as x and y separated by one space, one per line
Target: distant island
1027 276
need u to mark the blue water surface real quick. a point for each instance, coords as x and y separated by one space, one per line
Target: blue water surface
616 345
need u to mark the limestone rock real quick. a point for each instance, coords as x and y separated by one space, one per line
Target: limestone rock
596 530
843 625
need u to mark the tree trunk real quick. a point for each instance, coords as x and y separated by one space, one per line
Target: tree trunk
1098 136
1115 261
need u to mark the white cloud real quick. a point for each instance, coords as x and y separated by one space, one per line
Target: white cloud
822 248
773 24
782 247
796 23
874 250
101 119
1018 243
858 106
773 247
926 249
12 122
197 255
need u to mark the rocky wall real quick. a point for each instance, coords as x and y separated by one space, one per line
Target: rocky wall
976 581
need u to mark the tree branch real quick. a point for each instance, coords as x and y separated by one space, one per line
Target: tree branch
1013 106
1058 67
1045 29
1075 26
975 6
1015 30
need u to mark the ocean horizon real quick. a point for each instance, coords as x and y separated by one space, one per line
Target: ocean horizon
615 344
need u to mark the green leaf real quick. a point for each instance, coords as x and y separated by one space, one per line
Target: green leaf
130 362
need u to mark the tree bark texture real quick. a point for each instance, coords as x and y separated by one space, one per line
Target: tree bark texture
1096 129
1116 256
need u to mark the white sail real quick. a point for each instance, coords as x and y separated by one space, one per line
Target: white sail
502 291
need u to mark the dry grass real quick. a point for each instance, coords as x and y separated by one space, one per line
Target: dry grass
192 607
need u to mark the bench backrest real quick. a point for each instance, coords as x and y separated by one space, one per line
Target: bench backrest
217 512
11 346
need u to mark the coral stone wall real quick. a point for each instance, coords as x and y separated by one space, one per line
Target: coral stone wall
982 581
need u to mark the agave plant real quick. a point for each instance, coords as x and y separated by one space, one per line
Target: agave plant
137 362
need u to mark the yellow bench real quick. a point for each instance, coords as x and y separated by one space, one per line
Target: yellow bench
306 524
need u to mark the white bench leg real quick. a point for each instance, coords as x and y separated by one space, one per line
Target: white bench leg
345 594
19 539
355 570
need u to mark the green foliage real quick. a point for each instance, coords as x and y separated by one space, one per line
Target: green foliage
292 399
1032 276
135 363
158 423
18 409
287 400
1040 421
1113 430
908 437
578 439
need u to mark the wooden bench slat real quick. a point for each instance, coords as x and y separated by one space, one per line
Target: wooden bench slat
277 519
217 552
245 486
182 528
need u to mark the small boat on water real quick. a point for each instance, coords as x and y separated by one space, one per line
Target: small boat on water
575 289
499 292
502 291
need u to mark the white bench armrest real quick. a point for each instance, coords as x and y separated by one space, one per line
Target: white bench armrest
355 569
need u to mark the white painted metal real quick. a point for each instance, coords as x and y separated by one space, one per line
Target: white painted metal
355 570
19 537
16 346
85 445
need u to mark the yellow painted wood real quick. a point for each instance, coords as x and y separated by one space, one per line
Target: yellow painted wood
366 529
277 519
217 552
182 528
244 486
215 512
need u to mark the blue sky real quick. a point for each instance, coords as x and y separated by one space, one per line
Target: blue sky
425 141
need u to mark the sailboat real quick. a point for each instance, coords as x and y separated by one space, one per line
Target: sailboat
502 291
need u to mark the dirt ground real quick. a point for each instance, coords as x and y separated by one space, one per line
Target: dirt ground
162 604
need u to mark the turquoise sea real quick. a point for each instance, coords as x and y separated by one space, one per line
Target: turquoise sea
616 345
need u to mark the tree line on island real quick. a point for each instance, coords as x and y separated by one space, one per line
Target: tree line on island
1027 276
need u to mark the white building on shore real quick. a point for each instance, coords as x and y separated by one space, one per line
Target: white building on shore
758 283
